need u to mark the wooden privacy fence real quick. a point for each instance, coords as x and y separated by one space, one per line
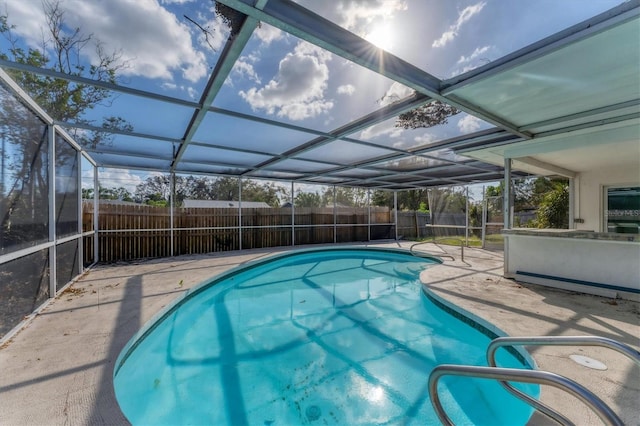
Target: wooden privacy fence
130 231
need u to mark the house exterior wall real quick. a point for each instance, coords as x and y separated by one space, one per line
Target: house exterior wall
596 263
588 258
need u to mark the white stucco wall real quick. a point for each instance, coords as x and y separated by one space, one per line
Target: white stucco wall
590 192
606 262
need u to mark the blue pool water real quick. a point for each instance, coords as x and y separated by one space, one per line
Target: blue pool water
320 337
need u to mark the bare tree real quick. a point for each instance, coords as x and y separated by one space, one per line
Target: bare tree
24 182
427 115
62 51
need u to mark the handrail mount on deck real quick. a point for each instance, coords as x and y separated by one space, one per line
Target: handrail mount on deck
535 376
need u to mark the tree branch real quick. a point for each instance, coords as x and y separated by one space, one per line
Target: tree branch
205 31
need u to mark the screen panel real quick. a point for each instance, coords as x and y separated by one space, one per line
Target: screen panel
24 286
67 263
67 191
24 179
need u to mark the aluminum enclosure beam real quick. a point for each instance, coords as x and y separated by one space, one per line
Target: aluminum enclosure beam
96 83
231 52
546 166
632 104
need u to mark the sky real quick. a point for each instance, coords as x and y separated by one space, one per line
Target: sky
282 78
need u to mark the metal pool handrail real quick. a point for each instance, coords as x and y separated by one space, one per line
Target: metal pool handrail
603 411
499 342
624 349
438 254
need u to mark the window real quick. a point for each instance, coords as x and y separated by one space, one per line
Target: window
622 209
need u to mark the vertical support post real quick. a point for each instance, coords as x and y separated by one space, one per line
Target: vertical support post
395 213
335 217
506 207
240 213
572 203
79 202
172 192
485 206
96 222
52 209
293 216
466 216
368 214
3 186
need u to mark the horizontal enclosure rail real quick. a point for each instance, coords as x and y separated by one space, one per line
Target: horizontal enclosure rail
603 411
244 227
17 254
626 350
430 225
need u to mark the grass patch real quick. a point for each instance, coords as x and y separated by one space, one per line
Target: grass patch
473 240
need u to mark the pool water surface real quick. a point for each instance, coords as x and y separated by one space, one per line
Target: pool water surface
325 336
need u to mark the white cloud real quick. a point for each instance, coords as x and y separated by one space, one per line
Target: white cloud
448 154
116 178
301 110
27 18
464 16
268 34
346 89
297 90
474 55
469 124
244 68
151 39
396 92
87 179
400 144
373 20
386 128
464 69
191 92
358 16
477 58
425 139
217 32
445 38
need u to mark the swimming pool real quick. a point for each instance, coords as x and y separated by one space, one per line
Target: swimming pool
322 336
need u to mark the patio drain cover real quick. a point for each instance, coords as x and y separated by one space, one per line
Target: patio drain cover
588 362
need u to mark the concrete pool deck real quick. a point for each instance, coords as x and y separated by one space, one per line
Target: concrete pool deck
58 369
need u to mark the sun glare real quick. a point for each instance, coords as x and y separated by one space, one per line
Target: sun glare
381 36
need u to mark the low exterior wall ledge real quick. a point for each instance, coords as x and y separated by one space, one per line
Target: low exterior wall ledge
573 233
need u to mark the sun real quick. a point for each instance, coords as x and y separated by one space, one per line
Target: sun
382 36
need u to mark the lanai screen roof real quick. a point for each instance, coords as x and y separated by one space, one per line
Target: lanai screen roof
310 91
